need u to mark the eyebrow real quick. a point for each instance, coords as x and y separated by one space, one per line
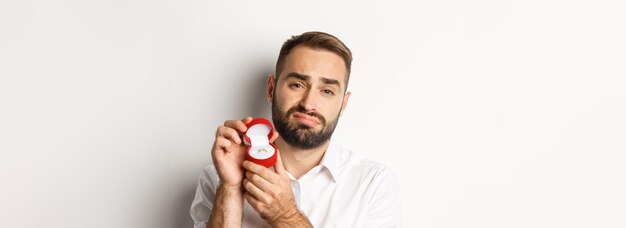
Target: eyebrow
307 78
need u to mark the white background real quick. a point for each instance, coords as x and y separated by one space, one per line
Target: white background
492 113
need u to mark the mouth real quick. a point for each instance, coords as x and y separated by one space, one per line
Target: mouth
306 119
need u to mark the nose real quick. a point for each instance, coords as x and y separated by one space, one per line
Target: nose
309 101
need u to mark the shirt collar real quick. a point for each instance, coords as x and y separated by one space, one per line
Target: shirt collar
332 159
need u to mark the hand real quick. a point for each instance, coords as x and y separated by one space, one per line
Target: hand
228 152
269 193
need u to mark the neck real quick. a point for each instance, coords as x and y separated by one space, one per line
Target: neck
299 161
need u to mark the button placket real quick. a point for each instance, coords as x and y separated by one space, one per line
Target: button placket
295 187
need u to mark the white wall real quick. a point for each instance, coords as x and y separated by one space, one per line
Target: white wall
493 113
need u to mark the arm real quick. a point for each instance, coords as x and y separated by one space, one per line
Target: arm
215 205
228 209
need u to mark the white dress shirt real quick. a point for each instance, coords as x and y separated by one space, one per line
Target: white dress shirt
344 190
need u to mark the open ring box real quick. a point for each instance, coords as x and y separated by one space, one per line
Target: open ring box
257 137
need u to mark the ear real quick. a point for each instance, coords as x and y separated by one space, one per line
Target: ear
344 103
271 81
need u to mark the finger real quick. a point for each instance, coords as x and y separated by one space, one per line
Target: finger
229 133
256 192
222 142
255 203
278 166
258 181
260 170
247 119
237 125
274 137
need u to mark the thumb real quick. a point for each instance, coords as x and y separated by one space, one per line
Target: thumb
278 166
274 136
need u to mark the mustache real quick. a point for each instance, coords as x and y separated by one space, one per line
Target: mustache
301 109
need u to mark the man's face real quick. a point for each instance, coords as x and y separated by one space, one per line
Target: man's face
308 97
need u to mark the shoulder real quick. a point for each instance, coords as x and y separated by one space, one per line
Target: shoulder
380 192
372 181
359 166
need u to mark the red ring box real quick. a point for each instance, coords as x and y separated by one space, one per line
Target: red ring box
257 137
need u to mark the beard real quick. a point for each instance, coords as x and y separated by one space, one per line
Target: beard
300 135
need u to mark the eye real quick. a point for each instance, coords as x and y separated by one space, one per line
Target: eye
328 91
296 85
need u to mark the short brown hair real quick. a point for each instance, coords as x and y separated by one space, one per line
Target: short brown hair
315 40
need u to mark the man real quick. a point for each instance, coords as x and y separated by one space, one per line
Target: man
315 182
